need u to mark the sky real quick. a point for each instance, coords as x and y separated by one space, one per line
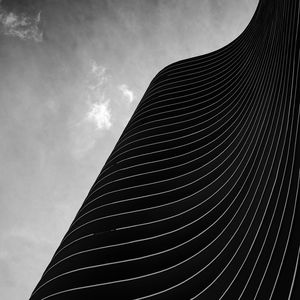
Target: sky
71 74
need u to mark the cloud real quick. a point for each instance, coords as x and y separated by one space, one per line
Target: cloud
100 114
22 26
96 85
91 127
92 116
85 133
99 111
98 78
127 93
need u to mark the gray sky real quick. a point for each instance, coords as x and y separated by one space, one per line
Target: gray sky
71 75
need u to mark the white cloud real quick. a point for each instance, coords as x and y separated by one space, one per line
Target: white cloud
127 93
100 114
88 130
93 115
99 111
98 78
11 20
21 26
97 69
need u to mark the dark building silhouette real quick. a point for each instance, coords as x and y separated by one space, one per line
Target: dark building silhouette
198 199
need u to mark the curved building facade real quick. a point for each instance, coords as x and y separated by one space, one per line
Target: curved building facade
198 199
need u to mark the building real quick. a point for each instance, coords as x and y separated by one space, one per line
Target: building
198 199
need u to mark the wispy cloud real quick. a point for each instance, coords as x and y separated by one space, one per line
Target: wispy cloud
94 116
92 127
98 76
100 114
127 93
22 26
